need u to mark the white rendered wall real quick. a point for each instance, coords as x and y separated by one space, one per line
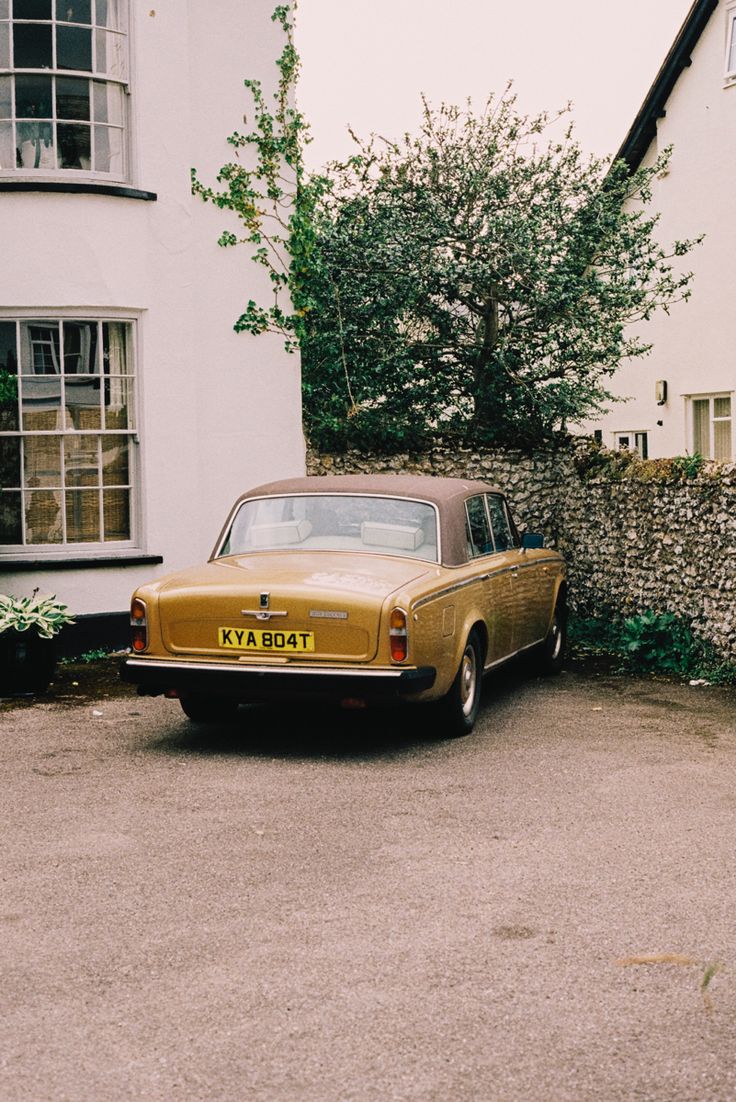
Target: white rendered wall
695 346
218 411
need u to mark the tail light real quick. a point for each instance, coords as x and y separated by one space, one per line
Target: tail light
398 635
138 625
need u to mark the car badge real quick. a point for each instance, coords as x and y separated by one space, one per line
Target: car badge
264 600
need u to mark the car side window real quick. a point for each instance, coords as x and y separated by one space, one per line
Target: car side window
480 541
502 534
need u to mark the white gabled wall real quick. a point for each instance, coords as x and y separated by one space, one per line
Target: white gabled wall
219 411
695 345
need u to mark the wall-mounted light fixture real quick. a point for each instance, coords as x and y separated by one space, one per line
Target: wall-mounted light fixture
660 391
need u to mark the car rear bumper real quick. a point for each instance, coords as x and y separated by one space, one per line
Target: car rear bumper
155 676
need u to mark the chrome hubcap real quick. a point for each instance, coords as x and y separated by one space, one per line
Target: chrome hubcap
556 638
468 679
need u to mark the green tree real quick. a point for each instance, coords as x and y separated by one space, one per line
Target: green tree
479 279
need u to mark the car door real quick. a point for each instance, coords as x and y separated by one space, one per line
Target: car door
529 578
496 580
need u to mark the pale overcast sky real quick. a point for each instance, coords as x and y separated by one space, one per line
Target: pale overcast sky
365 62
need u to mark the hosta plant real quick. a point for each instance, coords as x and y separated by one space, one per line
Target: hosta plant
45 615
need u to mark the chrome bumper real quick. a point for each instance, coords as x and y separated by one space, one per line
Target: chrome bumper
154 676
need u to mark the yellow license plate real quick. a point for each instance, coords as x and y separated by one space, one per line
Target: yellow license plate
283 642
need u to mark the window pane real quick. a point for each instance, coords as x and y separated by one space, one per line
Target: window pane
11 529
82 402
499 524
480 534
4 46
74 146
35 145
81 464
721 407
115 469
32 46
119 407
31 9
6 96
110 14
72 98
8 379
42 461
115 347
74 11
8 351
82 516
7 147
80 348
701 426
41 403
39 348
109 150
722 440
108 99
4 9
33 97
110 55
74 48
116 507
43 516
10 462
732 51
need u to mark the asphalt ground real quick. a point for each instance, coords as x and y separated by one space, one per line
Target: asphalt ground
327 906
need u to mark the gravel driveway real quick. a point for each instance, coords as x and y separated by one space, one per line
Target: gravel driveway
346 907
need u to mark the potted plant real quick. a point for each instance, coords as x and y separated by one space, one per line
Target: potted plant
28 630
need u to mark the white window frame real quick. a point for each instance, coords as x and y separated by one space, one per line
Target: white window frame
635 435
712 419
108 548
78 175
730 58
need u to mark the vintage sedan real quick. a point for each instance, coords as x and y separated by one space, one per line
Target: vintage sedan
355 589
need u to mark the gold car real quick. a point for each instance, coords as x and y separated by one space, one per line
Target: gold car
356 589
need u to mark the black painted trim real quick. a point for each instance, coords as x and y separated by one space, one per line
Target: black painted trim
72 188
644 127
80 563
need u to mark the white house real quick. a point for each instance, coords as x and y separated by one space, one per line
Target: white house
131 414
682 397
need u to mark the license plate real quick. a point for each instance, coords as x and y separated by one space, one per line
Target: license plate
284 642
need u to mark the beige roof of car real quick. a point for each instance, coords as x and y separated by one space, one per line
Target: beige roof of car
448 494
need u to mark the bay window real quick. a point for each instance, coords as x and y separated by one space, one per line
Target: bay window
63 82
67 434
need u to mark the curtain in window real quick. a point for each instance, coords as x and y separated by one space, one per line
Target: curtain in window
701 426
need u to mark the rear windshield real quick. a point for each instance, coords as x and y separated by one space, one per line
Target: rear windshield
332 522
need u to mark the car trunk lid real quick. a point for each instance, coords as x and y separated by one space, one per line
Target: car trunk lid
282 606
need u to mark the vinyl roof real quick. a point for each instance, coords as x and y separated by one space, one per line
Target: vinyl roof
428 488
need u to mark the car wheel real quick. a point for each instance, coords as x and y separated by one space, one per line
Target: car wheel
552 651
208 709
460 707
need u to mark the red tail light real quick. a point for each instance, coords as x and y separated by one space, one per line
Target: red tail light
398 635
138 625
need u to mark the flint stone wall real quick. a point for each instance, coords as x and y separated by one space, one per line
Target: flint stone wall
646 540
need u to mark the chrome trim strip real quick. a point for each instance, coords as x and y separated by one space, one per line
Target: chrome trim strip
259 615
217 667
481 578
507 657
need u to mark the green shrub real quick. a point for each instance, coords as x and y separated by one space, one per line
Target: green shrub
653 643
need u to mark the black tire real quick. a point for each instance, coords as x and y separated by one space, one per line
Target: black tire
459 708
553 649
208 709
